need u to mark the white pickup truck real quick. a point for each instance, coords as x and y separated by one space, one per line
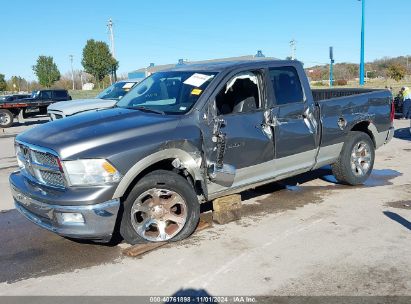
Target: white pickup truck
106 99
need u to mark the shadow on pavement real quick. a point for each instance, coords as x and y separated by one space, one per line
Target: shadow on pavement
27 251
403 133
398 218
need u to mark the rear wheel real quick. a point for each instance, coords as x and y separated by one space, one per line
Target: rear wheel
6 118
356 160
162 206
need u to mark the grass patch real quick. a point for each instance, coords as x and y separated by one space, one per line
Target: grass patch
79 94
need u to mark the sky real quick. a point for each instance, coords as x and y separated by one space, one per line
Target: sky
163 31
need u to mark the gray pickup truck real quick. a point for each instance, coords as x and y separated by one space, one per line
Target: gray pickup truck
189 135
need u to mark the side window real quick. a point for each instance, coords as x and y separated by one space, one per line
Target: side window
286 85
45 95
239 95
60 94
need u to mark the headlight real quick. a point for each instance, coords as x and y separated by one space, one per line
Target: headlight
91 172
18 153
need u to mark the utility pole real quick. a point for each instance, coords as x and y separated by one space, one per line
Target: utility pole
72 71
362 65
293 48
112 50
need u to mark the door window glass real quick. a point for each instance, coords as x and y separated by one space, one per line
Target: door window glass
239 95
46 95
60 94
286 85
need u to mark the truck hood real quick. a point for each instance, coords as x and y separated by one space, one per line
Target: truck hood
71 107
74 136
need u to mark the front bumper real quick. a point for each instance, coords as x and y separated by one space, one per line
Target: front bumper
99 219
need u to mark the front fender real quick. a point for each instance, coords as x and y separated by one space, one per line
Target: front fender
190 161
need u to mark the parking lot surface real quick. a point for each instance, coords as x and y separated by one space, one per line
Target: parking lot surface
303 236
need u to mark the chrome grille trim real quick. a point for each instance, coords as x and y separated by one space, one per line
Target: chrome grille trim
41 165
45 159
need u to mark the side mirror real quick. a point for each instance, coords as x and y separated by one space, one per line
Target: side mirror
223 176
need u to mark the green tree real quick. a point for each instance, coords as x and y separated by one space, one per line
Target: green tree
97 60
396 71
46 71
16 83
3 83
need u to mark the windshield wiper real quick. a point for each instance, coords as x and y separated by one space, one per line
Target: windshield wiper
145 109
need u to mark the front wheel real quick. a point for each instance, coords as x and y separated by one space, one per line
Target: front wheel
6 118
162 206
356 160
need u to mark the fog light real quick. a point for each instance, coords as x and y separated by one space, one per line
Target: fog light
70 218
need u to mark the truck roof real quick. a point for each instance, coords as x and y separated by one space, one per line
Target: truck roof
228 65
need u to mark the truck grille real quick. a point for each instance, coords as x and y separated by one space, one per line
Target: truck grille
39 165
52 178
45 158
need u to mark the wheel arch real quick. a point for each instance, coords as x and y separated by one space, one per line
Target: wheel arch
367 127
161 160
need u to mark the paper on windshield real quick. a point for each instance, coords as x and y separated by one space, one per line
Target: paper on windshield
197 79
128 85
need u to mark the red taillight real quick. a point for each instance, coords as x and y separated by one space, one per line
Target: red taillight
392 114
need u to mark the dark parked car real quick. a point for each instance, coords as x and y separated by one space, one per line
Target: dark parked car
28 106
189 135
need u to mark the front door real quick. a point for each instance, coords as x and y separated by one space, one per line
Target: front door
294 122
239 117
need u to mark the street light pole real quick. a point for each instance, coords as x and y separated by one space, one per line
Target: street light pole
362 68
331 66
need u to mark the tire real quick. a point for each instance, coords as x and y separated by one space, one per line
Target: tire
6 118
162 206
356 159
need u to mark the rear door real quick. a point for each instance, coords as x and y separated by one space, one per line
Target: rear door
293 118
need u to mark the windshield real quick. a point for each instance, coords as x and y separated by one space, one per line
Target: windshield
116 91
167 92
35 94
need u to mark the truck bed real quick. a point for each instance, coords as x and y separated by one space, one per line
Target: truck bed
322 94
353 105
